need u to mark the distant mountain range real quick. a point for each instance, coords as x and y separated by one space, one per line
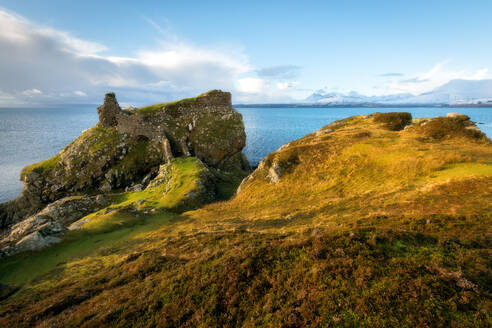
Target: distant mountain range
455 93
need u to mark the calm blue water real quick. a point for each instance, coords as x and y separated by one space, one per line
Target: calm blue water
30 135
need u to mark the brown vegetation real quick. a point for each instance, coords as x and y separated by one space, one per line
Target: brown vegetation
364 226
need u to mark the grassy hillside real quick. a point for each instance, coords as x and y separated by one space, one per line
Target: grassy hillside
362 223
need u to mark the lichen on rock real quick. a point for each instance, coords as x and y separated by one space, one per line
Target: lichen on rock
45 227
205 126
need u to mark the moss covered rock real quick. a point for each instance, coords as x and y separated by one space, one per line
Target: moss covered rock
124 151
205 126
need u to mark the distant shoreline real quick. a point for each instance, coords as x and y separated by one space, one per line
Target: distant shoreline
362 105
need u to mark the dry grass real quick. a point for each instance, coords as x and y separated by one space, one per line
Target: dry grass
395 121
366 227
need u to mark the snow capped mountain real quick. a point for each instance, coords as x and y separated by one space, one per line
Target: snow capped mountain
323 97
455 92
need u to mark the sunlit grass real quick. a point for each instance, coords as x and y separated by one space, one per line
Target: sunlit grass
366 227
100 235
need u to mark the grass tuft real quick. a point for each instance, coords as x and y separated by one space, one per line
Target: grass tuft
394 121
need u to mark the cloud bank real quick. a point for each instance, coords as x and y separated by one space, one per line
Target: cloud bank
43 65
438 75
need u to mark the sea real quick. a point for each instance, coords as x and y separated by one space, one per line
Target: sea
29 135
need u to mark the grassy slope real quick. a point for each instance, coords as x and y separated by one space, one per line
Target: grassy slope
362 171
367 227
132 213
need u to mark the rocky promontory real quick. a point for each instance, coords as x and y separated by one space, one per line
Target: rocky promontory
124 152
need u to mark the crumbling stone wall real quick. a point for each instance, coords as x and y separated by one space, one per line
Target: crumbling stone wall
109 112
206 126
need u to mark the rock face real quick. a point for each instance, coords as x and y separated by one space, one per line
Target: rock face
206 127
126 148
45 227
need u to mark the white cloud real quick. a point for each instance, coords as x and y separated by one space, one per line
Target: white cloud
287 85
17 29
34 56
438 75
6 98
32 92
251 85
80 93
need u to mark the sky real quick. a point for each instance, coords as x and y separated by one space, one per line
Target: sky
64 52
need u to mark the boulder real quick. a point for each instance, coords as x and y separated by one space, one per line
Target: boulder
33 242
275 172
47 226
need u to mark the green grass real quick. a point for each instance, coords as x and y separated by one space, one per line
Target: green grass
152 109
316 278
41 167
463 170
183 175
112 226
99 236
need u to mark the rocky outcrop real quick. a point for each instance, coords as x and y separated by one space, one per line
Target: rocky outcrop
206 126
46 227
126 148
99 161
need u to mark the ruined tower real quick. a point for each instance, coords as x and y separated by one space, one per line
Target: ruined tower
109 111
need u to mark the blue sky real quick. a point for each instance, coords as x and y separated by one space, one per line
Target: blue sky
262 52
